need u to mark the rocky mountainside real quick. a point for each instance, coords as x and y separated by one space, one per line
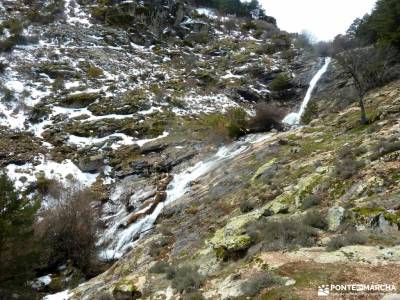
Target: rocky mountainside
135 101
326 193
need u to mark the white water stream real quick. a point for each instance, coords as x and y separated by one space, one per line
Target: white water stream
295 117
121 240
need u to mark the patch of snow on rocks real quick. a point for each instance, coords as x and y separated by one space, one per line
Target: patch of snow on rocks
64 295
66 172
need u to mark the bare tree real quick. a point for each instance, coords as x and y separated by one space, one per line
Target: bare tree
370 67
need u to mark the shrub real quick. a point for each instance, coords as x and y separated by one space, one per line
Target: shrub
352 238
51 12
240 9
231 125
14 25
185 278
267 117
246 206
104 296
264 25
68 230
202 37
281 40
267 48
284 234
259 281
205 78
8 44
46 186
58 83
94 72
316 220
288 54
304 40
281 82
347 165
237 122
311 200
156 247
160 267
8 95
384 147
38 112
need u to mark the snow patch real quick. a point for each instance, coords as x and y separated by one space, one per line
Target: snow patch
66 172
64 295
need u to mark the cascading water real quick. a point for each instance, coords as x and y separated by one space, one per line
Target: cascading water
121 240
181 182
295 117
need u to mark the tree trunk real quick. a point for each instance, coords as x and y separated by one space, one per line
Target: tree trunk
363 116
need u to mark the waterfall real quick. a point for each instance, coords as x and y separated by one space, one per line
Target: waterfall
295 117
121 240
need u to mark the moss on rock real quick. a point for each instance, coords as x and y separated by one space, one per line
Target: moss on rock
125 289
232 239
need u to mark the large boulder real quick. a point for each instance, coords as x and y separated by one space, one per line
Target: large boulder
232 240
91 164
335 217
385 226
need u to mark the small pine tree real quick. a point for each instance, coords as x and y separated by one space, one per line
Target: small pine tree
17 249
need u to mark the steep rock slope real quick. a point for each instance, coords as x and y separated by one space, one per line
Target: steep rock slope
341 176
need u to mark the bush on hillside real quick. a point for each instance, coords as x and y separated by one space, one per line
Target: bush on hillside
94 72
68 231
246 206
384 147
230 126
184 278
267 117
351 238
346 164
160 267
46 186
259 281
236 122
315 219
280 83
187 279
311 200
282 234
8 44
15 26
